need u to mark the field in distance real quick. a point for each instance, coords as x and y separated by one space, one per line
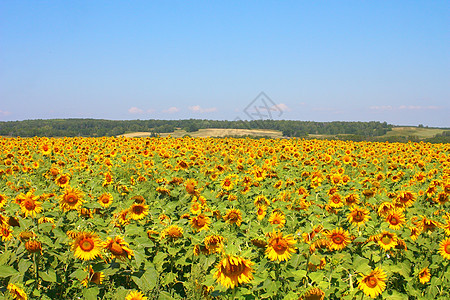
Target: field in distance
213 132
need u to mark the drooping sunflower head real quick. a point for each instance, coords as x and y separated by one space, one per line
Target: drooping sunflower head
233 216
279 247
173 232
313 294
138 211
93 277
33 246
261 200
87 246
351 199
214 243
72 199
16 292
374 283
200 222
338 239
234 270
118 248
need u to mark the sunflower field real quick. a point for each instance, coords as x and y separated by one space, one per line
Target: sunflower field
228 218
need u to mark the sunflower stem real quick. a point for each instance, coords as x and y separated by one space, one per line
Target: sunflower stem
36 270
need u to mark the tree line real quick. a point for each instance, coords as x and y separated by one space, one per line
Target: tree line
100 127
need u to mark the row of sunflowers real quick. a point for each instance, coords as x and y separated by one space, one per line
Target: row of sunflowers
207 218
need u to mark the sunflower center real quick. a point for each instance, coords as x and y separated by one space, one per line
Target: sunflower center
337 239
358 216
105 200
394 220
386 239
138 210
86 245
372 281
200 222
233 270
279 245
63 180
71 198
447 248
116 249
29 204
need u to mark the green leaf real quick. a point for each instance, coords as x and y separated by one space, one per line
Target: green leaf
49 276
299 274
91 293
6 271
316 276
24 265
79 274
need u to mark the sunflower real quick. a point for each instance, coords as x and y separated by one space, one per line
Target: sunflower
29 205
424 275
72 199
387 240
338 239
33 246
313 294
261 212
277 218
16 292
108 179
135 295
190 186
94 277
336 201
351 199
6 232
385 208
62 180
358 216
200 222
374 283
234 270
396 219
415 232
172 232
122 218
164 219
406 198
118 248
233 216
214 243
87 245
3 200
280 247
105 200
196 208
138 211
261 200
444 248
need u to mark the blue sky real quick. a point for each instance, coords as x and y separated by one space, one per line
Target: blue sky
316 60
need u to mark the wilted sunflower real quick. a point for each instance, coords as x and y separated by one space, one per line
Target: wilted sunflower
338 239
233 216
358 215
200 222
406 198
214 243
118 248
94 277
424 275
279 247
33 246
138 211
72 199
396 219
351 199
16 292
261 200
87 245
105 200
277 218
3 200
387 240
234 270
30 205
374 283
444 248
135 295
172 232
385 208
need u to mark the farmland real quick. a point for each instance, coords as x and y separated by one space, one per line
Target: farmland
223 218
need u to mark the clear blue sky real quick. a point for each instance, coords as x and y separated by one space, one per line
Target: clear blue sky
316 60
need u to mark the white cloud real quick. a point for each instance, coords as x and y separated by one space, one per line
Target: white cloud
281 106
418 107
381 108
171 110
135 110
198 109
4 113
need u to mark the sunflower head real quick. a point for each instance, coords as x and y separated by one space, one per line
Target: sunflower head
338 239
200 222
87 246
233 216
280 247
135 295
233 270
172 232
138 211
444 248
424 275
374 283
72 199
118 248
